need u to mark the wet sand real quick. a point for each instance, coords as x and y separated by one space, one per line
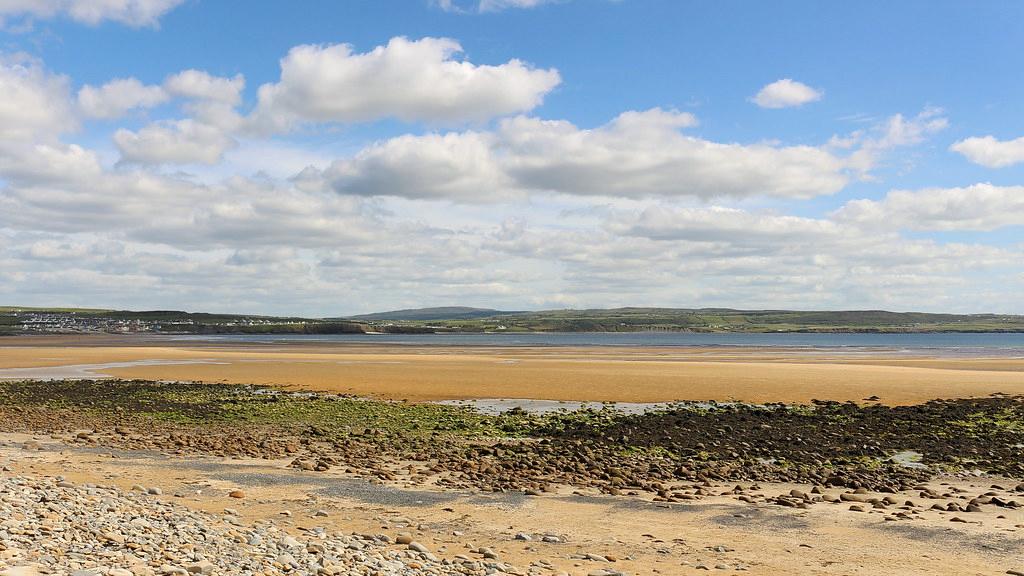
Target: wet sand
614 374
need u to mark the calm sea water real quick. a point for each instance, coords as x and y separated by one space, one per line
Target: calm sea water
946 344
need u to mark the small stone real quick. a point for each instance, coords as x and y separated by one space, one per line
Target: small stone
236 494
203 567
155 491
419 548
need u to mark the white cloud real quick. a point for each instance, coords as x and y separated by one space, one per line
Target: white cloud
130 12
990 152
899 131
174 142
978 207
606 215
686 255
638 154
203 138
786 93
411 80
117 97
202 85
489 5
497 5
718 223
35 104
454 166
895 132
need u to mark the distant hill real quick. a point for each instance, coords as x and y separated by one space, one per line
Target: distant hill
436 313
634 319
464 319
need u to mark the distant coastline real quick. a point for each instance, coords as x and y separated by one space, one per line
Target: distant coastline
464 320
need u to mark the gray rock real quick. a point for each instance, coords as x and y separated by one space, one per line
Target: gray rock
419 548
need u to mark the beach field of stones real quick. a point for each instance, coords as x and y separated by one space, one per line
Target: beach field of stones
51 526
849 460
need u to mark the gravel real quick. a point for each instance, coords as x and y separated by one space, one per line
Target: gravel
49 526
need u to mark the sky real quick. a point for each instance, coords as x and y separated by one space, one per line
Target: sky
328 157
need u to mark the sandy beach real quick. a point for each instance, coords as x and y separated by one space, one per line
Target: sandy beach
614 374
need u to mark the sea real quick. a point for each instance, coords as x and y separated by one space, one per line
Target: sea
945 344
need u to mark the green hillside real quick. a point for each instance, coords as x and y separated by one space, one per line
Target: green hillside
729 320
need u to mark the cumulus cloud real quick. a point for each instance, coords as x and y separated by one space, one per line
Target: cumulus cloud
575 214
35 104
175 142
638 154
786 93
204 245
203 138
719 223
85 198
978 207
201 85
990 152
117 97
131 12
411 80
454 166
706 255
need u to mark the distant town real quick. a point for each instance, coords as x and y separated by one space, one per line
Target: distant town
89 321
75 323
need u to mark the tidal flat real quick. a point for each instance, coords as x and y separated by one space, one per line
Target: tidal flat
319 456
639 374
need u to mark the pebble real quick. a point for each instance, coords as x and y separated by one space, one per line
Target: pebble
419 548
109 532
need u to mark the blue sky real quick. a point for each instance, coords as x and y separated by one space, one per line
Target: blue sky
355 156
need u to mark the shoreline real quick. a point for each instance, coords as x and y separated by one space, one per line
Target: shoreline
640 374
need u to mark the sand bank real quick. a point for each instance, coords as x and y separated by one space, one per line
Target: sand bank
422 373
